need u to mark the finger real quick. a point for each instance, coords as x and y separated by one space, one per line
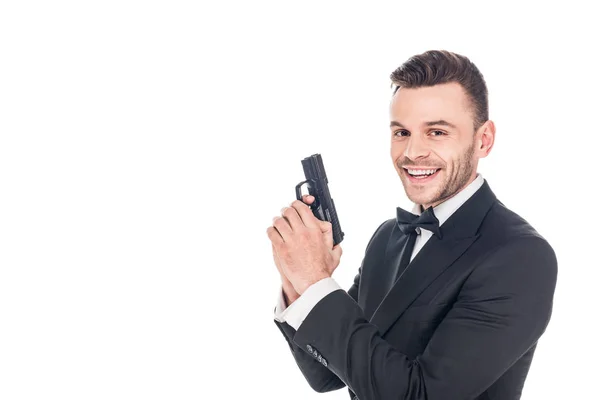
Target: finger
274 237
325 226
305 213
337 251
276 256
292 217
281 217
282 227
308 199
327 230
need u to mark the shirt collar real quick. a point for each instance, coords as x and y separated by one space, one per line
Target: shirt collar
444 210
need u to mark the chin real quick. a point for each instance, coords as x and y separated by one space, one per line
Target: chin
421 195
422 200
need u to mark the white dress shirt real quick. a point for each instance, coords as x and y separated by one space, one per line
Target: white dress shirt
295 314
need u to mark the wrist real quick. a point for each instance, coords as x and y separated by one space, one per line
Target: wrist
290 298
289 294
305 285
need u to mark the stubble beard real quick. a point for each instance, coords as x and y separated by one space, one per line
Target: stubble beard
457 175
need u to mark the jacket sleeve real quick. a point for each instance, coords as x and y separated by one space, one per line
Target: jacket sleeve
501 312
317 374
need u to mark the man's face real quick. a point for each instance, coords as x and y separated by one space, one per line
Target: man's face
432 131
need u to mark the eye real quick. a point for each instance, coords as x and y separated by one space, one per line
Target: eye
437 132
402 132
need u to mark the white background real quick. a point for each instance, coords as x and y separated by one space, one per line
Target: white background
145 147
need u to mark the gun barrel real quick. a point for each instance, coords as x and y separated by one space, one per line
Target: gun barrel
313 167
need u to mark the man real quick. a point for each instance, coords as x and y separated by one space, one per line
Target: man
451 299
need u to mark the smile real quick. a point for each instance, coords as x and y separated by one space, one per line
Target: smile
421 175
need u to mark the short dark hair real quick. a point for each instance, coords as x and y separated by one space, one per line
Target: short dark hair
441 66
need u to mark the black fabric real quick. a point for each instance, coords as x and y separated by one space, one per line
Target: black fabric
408 222
461 323
406 254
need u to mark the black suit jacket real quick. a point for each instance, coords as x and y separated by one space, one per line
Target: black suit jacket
461 323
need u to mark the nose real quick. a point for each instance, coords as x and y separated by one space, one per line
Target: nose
416 147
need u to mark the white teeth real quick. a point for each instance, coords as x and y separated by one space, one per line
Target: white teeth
421 171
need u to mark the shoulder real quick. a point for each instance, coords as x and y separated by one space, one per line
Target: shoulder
382 234
513 243
506 227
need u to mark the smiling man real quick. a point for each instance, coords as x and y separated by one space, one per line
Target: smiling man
451 298
433 156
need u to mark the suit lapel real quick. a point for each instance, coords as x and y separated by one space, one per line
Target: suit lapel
459 232
429 263
381 275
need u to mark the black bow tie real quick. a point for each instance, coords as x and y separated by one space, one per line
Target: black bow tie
407 222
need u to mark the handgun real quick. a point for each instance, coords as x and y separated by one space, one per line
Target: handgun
322 207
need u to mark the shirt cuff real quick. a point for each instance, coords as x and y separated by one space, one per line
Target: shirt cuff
297 312
280 307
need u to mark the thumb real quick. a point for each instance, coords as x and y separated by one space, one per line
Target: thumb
327 231
325 226
337 252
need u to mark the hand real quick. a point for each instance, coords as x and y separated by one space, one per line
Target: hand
289 292
303 245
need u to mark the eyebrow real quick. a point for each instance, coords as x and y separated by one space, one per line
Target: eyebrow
428 123
440 122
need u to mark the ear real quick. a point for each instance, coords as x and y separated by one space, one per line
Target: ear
484 138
